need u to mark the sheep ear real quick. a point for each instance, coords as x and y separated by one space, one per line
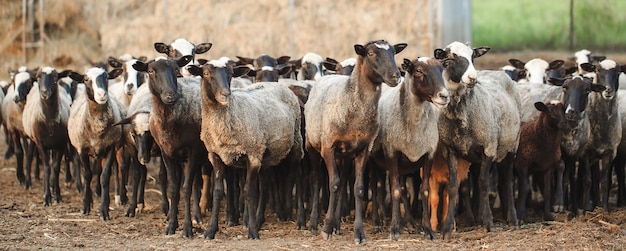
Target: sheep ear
518 64
239 71
77 77
140 66
64 73
114 62
556 81
331 60
360 50
440 54
162 48
284 69
597 58
142 58
245 60
556 64
283 59
399 47
194 70
407 65
597 87
297 63
184 60
479 51
540 106
330 65
115 73
623 68
571 70
202 61
588 67
251 73
202 48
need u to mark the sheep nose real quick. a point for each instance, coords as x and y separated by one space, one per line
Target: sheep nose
443 96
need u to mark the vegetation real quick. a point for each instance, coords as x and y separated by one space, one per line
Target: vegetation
544 25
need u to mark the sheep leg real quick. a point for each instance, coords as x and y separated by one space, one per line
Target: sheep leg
75 159
232 207
619 165
10 146
605 175
189 175
316 171
165 204
121 177
464 192
105 179
68 171
218 193
136 174
484 188
507 182
264 195
394 181
206 185
584 174
522 193
428 212
300 194
345 171
252 199
30 148
19 157
433 205
376 174
359 193
87 176
47 197
547 193
453 190
197 193
558 186
143 173
97 168
174 175
569 183
330 223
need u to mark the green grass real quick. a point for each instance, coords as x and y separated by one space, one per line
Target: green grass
544 24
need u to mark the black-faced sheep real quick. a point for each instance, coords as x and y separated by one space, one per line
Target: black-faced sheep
408 136
91 132
481 124
45 122
342 123
175 122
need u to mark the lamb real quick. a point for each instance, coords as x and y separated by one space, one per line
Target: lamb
91 132
12 110
481 124
181 47
342 123
46 113
175 122
540 150
235 124
408 115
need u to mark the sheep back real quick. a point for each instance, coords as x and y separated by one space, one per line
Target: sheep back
34 114
93 131
261 122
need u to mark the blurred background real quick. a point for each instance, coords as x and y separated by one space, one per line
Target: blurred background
72 33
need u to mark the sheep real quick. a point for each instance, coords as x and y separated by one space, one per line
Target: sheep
514 73
344 67
342 123
620 160
131 79
238 132
481 124
536 69
91 132
310 67
606 126
181 47
175 122
540 150
408 115
12 110
46 113
266 68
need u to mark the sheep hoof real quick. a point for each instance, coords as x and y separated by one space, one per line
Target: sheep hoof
130 212
326 236
394 236
187 231
118 200
359 236
558 208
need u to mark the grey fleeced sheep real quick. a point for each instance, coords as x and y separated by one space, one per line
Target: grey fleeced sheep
91 132
342 123
409 115
254 128
481 124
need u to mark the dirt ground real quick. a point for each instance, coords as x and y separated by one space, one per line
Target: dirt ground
26 224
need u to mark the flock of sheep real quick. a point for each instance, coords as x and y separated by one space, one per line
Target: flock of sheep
291 135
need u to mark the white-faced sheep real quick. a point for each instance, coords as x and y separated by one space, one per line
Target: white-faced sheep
91 132
408 115
481 124
45 122
342 123
181 47
175 124
344 67
12 110
238 132
536 69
